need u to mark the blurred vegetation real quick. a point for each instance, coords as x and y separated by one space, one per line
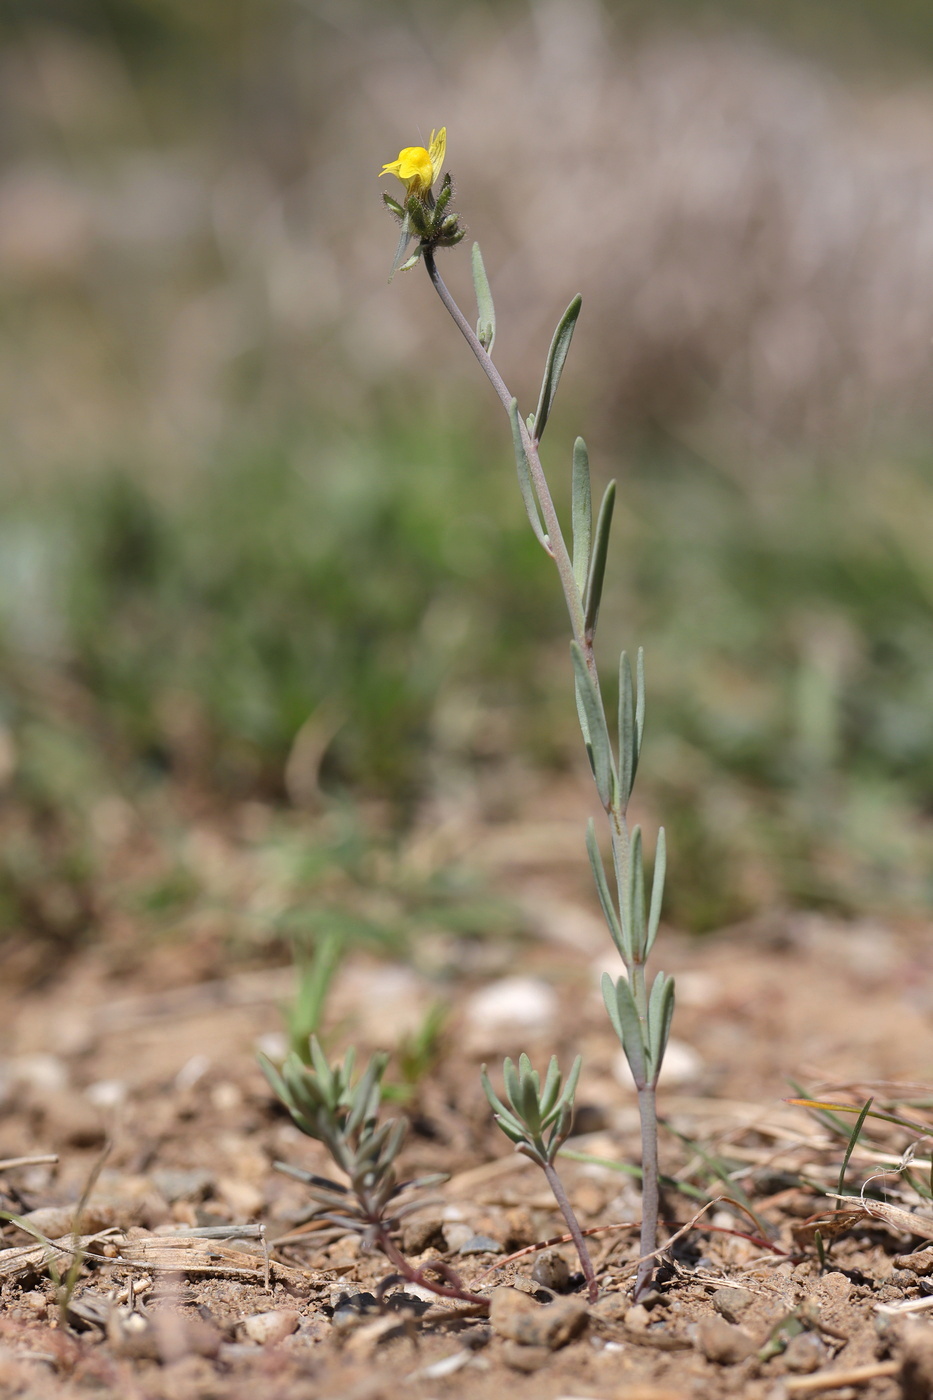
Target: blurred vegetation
372 608
348 614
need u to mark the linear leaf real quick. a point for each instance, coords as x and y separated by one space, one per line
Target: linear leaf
633 902
513 1085
551 1091
594 585
496 1104
524 477
624 1017
628 740
486 323
582 514
530 1103
660 1014
600 748
570 1088
401 252
602 889
555 364
657 890
859 1123
639 704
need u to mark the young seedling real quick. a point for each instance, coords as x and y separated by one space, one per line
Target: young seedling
538 1121
641 1018
342 1113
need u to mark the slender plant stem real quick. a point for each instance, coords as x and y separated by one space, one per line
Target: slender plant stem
556 545
557 548
415 1275
648 1113
573 1225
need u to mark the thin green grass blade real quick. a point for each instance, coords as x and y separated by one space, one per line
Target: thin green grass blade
629 1169
721 1170
859 1122
826 1113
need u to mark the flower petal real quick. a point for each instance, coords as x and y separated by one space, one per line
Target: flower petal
437 148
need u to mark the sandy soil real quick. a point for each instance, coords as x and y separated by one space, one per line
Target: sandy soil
144 1088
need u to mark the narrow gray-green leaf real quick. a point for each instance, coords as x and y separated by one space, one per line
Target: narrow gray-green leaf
628 739
570 1088
555 364
511 1127
660 1015
639 703
513 1086
624 1017
275 1080
636 867
594 584
551 1090
530 1106
600 748
582 514
524 477
486 322
657 890
602 889
401 251
498 1107
322 1068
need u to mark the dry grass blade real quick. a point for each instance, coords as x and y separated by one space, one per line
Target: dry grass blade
155 1253
836 1380
903 1221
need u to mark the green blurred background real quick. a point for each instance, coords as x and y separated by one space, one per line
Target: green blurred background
268 601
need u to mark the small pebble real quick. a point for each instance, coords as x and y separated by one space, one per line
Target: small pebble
551 1271
916 1375
504 1013
612 1307
722 1342
513 1315
732 1302
805 1353
36 1302
480 1244
179 1185
524 1358
267 1328
456 1233
424 1232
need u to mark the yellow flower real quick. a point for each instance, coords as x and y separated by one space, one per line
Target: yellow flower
418 168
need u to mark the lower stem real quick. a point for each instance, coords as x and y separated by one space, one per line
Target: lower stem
648 1113
408 1271
573 1225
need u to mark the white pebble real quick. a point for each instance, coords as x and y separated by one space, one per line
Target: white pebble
501 1015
